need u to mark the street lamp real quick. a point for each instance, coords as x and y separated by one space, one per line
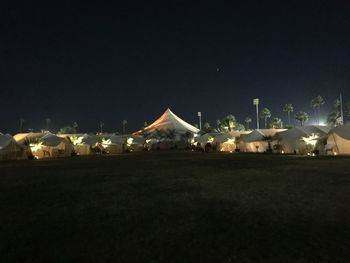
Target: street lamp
199 114
256 103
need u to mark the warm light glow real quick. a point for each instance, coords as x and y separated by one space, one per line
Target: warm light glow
77 141
282 152
311 140
106 143
129 141
210 139
335 153
34 147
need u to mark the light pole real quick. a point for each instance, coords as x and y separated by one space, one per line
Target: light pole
256 103
199 114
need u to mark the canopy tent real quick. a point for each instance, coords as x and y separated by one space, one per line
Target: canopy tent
10 149
299 140
224 142
51 145
114 143
338 140
258 140
86 144
170 121
31 137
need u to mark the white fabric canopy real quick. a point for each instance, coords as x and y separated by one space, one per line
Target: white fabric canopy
170 121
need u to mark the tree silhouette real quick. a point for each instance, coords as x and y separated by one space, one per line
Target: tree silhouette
247 120
316 104
265 114
302 117
288 108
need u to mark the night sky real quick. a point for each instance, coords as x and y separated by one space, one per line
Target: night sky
90 62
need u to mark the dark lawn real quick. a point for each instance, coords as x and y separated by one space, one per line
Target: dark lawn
176 207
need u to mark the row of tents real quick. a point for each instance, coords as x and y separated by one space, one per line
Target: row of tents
298 140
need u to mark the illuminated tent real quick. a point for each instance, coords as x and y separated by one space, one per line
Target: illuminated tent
299 140
170 121
258 140
86 144
10 149
30 137
338 140
224 142
51 145
114 144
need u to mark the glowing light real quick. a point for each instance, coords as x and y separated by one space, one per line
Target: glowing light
335 153
76 140
106 143
210 139
282 152
311 140
129 141
34 147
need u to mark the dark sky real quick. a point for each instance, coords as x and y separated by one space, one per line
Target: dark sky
109 61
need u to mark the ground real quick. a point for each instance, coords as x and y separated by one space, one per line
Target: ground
176 207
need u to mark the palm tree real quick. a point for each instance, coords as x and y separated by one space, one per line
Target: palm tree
276 123
230 122
316 104
288 108
187 136
335 115
264 114
124 122
48 122
75 126
158 134
170 134
333 118
218 125
101 126
247 120
347 110
21 121
302 117
206 127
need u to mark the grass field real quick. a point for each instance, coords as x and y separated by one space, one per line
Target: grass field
176 207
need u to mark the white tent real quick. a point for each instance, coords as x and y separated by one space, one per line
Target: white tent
86 144
170 121
300 140
258 140
135 143
51 145
31 137
10 149
114 143
338 141
224 142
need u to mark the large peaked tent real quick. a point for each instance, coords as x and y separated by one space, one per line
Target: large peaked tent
170 121
338 141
